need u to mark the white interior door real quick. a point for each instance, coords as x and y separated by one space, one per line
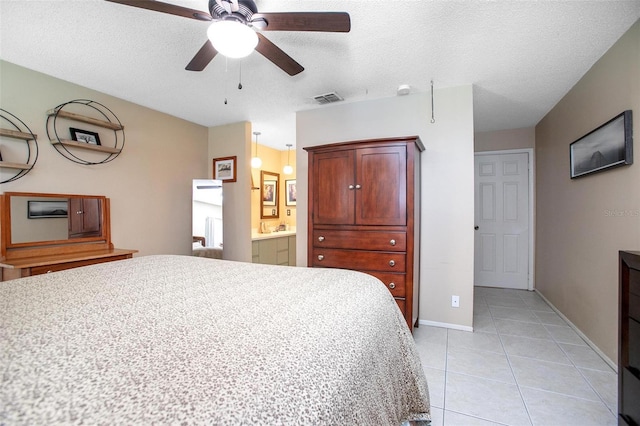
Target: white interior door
502 220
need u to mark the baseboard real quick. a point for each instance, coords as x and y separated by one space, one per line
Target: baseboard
445 325
613 365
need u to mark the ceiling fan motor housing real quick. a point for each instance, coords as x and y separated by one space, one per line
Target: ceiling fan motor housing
246 9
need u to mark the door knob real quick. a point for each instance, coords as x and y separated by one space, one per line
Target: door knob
476 227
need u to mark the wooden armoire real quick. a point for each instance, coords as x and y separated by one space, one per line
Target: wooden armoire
364 212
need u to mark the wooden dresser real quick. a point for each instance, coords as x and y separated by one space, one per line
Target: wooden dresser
364 212
75 232
629 340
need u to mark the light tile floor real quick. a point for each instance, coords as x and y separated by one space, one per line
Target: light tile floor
523 365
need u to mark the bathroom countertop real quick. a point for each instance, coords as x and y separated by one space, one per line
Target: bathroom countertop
255 235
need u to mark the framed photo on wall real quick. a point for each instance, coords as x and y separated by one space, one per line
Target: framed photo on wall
290 186
47 209
610 145
269 193
224 169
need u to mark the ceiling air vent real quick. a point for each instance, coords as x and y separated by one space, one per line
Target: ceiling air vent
328 98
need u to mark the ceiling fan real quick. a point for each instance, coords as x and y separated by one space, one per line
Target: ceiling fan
242 16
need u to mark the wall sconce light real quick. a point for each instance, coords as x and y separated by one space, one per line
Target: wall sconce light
256 162
287 170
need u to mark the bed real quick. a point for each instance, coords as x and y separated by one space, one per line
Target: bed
178 339
200 249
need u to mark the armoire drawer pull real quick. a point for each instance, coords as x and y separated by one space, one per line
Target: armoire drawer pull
320 257
321 238
392 263
392 242
392 285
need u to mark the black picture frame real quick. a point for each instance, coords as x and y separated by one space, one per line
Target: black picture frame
291 188
47 209
85 136
608 146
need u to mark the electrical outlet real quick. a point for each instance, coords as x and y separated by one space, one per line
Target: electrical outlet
288 212
455 301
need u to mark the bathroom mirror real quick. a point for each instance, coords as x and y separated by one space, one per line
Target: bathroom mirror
35 219
269 195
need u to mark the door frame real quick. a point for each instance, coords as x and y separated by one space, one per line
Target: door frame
532 206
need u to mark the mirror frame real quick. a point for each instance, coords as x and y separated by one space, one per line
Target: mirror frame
5 224
275 206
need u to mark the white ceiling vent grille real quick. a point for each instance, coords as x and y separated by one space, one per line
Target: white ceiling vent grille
328 98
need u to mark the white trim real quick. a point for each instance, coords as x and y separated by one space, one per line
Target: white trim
532 204
605 358
445 325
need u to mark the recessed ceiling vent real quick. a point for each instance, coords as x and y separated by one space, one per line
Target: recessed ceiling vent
328 98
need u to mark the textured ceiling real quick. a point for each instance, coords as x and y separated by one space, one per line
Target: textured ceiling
520 56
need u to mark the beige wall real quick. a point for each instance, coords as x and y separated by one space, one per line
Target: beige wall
446 259
228 141
149 184
505 139
582 223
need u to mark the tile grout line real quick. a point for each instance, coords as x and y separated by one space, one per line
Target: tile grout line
515 378
444 385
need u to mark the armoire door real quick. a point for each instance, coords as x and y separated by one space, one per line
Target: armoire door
334 191
381 186
85 218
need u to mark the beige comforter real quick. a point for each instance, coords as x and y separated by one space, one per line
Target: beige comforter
172 339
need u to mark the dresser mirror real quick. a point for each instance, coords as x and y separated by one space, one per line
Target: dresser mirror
269 195
35 219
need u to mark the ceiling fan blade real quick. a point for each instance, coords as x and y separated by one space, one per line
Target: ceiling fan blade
338 22
171 9
199 62
273 53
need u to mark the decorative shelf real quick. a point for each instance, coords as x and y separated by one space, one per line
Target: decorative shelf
17 135
20 166
73 150
82 118
22 133
84 145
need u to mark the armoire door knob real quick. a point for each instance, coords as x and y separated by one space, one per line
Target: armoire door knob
320 257
392 263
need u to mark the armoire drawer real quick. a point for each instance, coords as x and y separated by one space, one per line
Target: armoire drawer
401 303
394 282
359 260
360 240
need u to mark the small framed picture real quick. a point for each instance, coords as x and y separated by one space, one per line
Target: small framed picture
291 192
86 136
270 193
224 169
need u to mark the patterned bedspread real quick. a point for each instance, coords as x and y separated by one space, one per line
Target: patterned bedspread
172 339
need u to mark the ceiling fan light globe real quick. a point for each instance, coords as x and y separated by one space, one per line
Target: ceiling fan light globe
232 39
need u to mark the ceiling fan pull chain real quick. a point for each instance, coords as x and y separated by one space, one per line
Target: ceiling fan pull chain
226 65
433 117
240 81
